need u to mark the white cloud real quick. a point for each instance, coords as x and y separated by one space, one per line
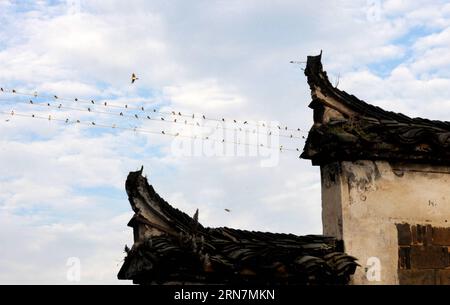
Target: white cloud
59 185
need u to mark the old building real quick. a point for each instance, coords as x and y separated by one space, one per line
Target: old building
172 248
385 184
385 201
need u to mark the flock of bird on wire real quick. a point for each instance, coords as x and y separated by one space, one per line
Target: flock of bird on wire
173 117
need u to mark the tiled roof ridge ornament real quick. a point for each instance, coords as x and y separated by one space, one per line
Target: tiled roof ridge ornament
348 129
172 247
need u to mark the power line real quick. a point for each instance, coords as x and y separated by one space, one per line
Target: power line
143 109
163 132
62 106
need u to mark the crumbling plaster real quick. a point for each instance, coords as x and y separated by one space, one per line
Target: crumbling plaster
364 200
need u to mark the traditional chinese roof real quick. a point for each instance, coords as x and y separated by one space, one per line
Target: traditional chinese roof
172 247
347 128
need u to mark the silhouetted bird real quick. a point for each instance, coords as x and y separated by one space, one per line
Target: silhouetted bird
134 78
136 116
31 102
121 114
227 210
92 102
245 122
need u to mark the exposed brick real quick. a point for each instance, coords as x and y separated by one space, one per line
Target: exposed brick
417 277
441 236
404 234
424 257
444 277
404 260
428 235
421 234
414 235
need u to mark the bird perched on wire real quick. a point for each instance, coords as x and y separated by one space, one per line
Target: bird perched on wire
134 78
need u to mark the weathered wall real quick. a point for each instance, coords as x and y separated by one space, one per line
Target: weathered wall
364 201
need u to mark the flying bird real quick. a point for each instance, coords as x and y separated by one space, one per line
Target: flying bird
297 62
134 78
227 210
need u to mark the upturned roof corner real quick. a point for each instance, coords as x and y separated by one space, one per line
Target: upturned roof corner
347 128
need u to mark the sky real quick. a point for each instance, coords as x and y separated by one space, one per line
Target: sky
62 192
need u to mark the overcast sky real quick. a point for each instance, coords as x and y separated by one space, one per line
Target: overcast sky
62 186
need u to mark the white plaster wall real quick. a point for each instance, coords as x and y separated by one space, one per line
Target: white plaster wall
363 200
